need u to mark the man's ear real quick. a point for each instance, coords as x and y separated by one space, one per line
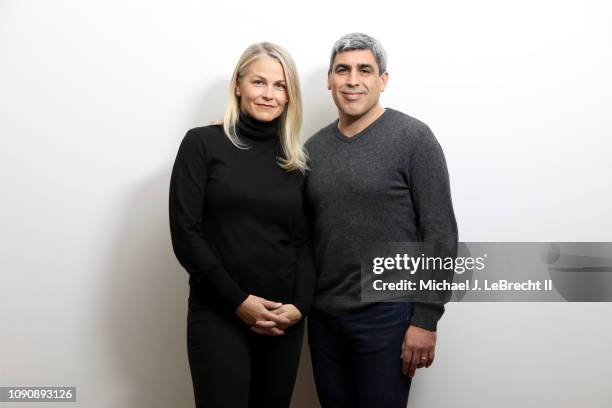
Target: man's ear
385 78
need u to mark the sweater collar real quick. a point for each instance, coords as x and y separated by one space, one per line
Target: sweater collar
249 127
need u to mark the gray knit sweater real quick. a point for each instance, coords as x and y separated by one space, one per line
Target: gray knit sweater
388 183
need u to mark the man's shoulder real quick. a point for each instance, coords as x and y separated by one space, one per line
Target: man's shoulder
412 135
322 135
407 123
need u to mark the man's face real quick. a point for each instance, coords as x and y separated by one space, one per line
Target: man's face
355 82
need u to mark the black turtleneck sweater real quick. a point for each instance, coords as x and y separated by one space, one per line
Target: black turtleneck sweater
237 219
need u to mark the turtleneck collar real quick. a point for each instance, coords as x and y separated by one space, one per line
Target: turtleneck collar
248 126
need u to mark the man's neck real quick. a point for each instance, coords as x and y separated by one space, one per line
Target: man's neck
351 125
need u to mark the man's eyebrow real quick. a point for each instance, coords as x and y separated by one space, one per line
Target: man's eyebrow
361 66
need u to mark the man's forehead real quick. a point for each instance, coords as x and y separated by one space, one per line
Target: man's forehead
355 57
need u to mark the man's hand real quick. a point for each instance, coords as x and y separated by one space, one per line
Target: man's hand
418 349
256 309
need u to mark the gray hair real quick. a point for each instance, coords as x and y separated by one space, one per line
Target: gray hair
360 41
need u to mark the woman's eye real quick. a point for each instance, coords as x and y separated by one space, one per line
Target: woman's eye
281 86
258 82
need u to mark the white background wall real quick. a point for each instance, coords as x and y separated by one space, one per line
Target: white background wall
96 96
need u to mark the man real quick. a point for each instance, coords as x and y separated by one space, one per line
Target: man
377 175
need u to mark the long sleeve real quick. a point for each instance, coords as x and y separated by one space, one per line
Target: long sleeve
430 189
305 280
186 209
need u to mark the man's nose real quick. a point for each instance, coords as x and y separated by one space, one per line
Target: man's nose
351 79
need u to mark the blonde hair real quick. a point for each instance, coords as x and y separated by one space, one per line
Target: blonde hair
295 156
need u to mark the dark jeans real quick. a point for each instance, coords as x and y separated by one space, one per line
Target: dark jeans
356 356
233 367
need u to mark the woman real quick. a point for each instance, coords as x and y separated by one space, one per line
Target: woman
239 228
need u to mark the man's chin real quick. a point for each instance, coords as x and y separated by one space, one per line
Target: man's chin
352 110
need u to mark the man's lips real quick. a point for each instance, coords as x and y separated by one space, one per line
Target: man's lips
352 95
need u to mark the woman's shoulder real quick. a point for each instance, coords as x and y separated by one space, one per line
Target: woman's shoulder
201 142
204 134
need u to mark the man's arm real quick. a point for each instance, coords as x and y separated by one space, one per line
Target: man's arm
430 190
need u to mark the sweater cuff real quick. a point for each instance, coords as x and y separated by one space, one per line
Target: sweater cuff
303 307
229 294
426 315
235 299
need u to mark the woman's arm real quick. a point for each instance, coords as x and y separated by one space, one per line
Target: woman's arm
306 276
186 205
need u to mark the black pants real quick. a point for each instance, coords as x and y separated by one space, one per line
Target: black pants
234 367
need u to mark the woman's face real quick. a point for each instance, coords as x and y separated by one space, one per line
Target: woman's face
263 89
